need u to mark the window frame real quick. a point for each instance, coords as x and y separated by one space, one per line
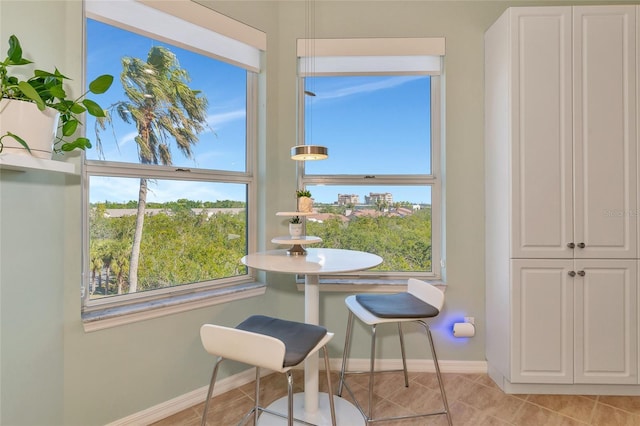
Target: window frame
112 311
434 180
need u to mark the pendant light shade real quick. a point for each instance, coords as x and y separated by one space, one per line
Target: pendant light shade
309 152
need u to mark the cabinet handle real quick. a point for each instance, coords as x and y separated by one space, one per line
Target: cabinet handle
571 245
581 273
581 245
572 273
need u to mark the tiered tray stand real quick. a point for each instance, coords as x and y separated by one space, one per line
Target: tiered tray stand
297 248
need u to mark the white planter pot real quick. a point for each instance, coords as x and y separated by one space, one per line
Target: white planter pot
37 128
305 204
295 229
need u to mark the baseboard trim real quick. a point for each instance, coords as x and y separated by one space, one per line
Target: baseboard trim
189 399
195 397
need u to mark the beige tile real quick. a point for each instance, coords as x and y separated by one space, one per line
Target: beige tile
226 414
492 421
465 415
626 403
491 402
576 407
273 387
535 415
605 415
454 384
418 399
384 384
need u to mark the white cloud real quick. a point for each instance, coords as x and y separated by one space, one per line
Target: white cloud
366 87
216 121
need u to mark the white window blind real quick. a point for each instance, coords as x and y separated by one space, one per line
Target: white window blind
185 24
323 57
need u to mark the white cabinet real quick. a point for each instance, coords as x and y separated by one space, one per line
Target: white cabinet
561 195
604 131
605 337
574 321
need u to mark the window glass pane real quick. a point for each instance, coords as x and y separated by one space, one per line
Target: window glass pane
372 125
193 232
222 143
393 222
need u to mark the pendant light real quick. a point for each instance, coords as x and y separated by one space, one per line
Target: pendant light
309 152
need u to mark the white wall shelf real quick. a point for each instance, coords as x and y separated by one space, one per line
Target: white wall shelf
23 163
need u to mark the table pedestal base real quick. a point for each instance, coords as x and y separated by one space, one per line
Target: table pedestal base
346 413
296 250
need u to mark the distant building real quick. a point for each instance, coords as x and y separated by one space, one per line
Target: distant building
374 198
347 199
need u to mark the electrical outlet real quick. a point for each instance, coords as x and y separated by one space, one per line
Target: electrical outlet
470 320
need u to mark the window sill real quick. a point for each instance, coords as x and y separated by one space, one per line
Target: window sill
115 316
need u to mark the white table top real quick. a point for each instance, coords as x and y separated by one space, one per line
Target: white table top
316 261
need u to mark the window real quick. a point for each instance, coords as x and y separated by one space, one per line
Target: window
379 116
169 184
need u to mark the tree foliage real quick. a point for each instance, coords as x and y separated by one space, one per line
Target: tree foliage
404 242
177 247
180 246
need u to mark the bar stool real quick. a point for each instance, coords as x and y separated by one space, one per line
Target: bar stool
422 300
271 343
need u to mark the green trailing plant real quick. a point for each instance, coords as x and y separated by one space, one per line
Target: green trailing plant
303 193
295 219
46 90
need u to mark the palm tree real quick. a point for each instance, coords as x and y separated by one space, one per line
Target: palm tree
165 111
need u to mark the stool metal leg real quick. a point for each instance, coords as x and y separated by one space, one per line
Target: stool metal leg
289 398
404 356
438 375
256 408
327 367
210 391
345 354
371 370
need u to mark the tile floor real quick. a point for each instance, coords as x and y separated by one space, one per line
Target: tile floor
474 400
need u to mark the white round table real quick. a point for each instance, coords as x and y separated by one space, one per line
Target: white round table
312 406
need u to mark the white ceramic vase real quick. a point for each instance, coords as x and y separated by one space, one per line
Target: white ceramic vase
37 128
295 230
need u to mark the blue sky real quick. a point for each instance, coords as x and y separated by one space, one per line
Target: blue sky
347 115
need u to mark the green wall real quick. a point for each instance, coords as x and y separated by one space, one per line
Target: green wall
53 373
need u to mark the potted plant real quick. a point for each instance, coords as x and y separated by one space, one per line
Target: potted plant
25 102
295 226
305 202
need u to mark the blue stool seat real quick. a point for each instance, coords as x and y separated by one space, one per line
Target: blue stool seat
298 338
399 305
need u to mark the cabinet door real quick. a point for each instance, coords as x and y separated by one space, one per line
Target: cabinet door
542 174
605 322
542 332
605 131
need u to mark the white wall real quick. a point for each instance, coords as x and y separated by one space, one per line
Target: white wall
77 378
